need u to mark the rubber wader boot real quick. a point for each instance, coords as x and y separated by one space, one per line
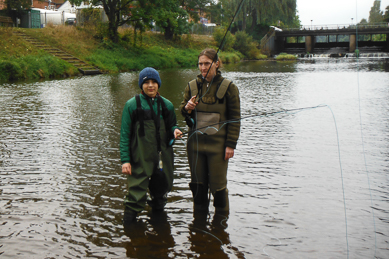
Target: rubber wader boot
129 217
221 202
200 196
157 203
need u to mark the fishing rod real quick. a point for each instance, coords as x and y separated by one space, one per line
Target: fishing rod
255 115
215 59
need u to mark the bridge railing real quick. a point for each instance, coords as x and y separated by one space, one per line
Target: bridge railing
338 27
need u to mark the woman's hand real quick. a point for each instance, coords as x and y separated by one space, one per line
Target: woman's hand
177 134
126 168
191 105
229 153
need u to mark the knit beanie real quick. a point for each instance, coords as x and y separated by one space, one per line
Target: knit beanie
149 73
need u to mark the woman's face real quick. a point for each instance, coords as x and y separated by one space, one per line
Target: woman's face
204 64
150 87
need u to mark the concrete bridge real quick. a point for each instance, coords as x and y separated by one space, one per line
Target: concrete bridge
327 38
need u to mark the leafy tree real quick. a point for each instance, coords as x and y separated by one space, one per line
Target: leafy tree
120 12
376 15
171 17
270 12
15 8
386 15
363 21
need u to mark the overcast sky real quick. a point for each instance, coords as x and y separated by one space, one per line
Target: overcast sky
327 12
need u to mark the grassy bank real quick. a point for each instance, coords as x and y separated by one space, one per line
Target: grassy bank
19 59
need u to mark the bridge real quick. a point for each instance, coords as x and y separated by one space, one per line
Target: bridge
328 38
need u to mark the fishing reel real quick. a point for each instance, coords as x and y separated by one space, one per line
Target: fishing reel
190 122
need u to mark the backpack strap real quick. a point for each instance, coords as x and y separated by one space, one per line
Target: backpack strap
140 116
222 89
193 88
165 115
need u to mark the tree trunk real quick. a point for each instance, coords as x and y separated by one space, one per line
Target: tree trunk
168 31
254 17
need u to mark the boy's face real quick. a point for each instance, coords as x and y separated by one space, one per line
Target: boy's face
150 87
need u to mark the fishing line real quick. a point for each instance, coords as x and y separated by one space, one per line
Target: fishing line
279 244
209 69
341 174
263 114
294 111
360 125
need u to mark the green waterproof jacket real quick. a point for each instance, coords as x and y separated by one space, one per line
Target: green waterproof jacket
135 149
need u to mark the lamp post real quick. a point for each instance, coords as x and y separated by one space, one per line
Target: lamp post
311 25
352 21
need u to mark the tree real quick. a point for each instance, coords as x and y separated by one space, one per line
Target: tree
386 15
256 12
15 8
172 15
376 15
119 12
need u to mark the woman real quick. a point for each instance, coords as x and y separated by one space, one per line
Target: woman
148 126
209 101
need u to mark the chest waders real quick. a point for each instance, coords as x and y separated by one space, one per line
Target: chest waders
206 148
151 157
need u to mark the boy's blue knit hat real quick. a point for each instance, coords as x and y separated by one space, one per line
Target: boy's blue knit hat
149 73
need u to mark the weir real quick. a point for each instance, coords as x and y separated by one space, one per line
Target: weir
327 39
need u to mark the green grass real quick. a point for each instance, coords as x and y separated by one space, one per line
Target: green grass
21 60
284 56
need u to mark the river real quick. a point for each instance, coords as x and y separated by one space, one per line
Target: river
304 183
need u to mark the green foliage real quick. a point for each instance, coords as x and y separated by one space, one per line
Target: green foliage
10 70
172 18
244 44
117 58
260 12
44 66
229 40
375 14
386 14
230 57
35 66
16 7
285 56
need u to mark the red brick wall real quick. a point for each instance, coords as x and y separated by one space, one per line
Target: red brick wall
45 3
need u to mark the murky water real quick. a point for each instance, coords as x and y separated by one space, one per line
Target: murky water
303 184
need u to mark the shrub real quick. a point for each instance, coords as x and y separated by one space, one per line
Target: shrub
230 57
245 44
229 41
10 70
284 56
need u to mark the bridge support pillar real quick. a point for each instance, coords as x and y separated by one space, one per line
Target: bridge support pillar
309 43
353 43
387 42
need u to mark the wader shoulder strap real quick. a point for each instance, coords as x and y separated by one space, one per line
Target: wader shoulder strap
140 116
193 87
156 118
223 87
165 115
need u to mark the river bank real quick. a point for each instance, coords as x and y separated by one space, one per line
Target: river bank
19 59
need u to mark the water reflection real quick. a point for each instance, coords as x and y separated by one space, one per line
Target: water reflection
150 238
62 191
